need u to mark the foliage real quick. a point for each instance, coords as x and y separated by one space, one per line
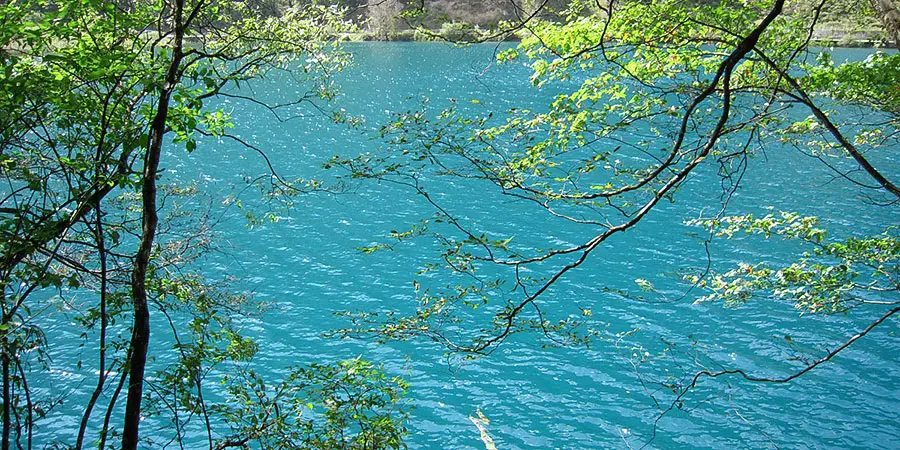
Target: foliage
348 405
833 277
871 83
89 90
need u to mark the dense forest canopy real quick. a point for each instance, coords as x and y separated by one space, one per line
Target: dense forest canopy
97 94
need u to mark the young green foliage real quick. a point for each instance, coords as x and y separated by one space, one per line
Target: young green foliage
90 92
831 277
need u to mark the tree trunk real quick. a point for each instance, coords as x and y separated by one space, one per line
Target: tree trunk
104 324
4 356
140 337
7 397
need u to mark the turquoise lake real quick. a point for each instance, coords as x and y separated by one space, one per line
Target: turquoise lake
307 267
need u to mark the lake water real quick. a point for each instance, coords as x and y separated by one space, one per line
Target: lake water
307 267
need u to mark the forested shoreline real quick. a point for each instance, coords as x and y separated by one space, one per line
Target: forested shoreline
843 24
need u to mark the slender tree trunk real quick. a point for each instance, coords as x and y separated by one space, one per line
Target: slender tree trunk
104 324
4 355
7 397
140 337
29 417
104 432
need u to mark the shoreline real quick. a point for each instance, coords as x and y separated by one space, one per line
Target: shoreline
459 33
816 42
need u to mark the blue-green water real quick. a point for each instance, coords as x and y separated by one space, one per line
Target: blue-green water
307 267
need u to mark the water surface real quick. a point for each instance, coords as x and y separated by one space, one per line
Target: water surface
307 267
